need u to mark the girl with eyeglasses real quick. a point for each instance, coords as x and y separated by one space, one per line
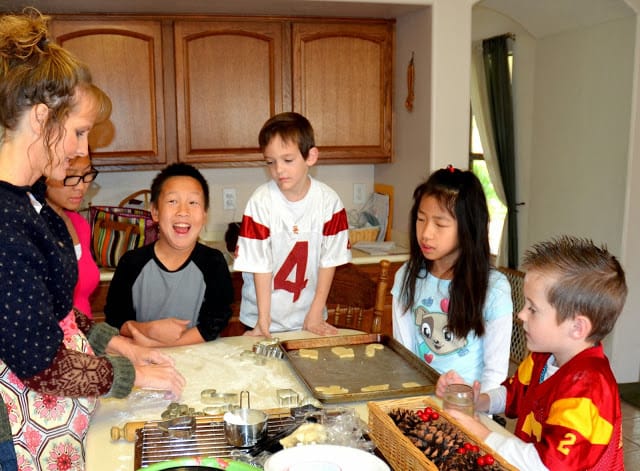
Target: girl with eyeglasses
65 197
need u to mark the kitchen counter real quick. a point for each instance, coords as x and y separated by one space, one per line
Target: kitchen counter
213 365
219 365
397 254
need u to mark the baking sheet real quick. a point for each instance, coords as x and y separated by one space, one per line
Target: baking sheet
393 365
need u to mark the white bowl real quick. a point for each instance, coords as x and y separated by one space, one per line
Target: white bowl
324 458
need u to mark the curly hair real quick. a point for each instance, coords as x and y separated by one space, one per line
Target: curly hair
34 70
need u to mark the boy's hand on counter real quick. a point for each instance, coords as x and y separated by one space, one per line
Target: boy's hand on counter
258 331
321 327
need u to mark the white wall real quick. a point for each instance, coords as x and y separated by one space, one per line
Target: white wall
411 129
581 139
625 348
436 133
583 84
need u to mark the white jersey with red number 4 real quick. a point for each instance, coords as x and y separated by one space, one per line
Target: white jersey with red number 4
291 240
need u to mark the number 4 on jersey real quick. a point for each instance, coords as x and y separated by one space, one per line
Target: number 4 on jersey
296 260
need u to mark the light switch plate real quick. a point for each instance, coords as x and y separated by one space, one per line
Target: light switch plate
229 198
359 192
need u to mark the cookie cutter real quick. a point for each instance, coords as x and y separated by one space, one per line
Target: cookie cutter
269 348
287 398
176 409
217 402
179 427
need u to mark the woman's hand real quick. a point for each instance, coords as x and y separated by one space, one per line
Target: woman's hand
160 376
140 355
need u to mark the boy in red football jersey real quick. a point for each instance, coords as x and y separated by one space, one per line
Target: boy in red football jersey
564 394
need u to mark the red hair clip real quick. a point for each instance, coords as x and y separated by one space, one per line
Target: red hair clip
451 168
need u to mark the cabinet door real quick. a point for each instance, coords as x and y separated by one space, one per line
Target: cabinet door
125 58
342 82
229 81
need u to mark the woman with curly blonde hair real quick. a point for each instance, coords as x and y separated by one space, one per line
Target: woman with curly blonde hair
54 361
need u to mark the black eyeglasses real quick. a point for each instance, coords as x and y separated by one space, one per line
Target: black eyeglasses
73 180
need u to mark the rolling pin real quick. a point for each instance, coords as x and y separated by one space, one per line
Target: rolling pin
128 432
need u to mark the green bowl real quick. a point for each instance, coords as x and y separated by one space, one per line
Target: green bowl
193 464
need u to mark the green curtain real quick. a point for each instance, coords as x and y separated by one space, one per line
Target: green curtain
496 52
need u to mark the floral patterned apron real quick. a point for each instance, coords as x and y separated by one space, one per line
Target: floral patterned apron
48 431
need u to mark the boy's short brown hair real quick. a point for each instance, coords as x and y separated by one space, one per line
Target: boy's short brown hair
589 281
291 127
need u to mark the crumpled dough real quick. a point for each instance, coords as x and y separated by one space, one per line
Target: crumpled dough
308 433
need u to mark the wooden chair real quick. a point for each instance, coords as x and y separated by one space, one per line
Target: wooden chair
134 201
518 351
355 300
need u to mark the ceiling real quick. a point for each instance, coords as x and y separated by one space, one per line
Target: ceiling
539 17
547 17
252 7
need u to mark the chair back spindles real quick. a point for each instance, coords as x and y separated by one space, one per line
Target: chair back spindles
355 300
518 351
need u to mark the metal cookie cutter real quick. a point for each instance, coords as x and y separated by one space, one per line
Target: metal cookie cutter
175 409
179 427
287 397
269 348
217 403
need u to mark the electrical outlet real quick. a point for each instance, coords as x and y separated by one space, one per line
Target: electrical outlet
229 198
359 190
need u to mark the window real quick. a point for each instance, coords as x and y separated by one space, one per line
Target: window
497 210
477 164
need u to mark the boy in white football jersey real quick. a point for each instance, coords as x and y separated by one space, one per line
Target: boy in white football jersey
294 233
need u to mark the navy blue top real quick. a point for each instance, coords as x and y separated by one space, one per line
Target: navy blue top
143 289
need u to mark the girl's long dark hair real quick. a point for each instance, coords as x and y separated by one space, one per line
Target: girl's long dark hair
461 193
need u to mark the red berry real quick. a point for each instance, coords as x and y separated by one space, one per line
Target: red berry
434 415
461 450
474 448
489 459
468 446
428 410
481 461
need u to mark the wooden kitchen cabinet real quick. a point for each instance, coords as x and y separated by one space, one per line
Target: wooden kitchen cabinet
342 82
198 89
231 76
125 59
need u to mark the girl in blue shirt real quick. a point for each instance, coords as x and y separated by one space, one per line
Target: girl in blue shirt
450 307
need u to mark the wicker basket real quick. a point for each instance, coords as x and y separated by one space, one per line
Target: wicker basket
364 233
397 449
